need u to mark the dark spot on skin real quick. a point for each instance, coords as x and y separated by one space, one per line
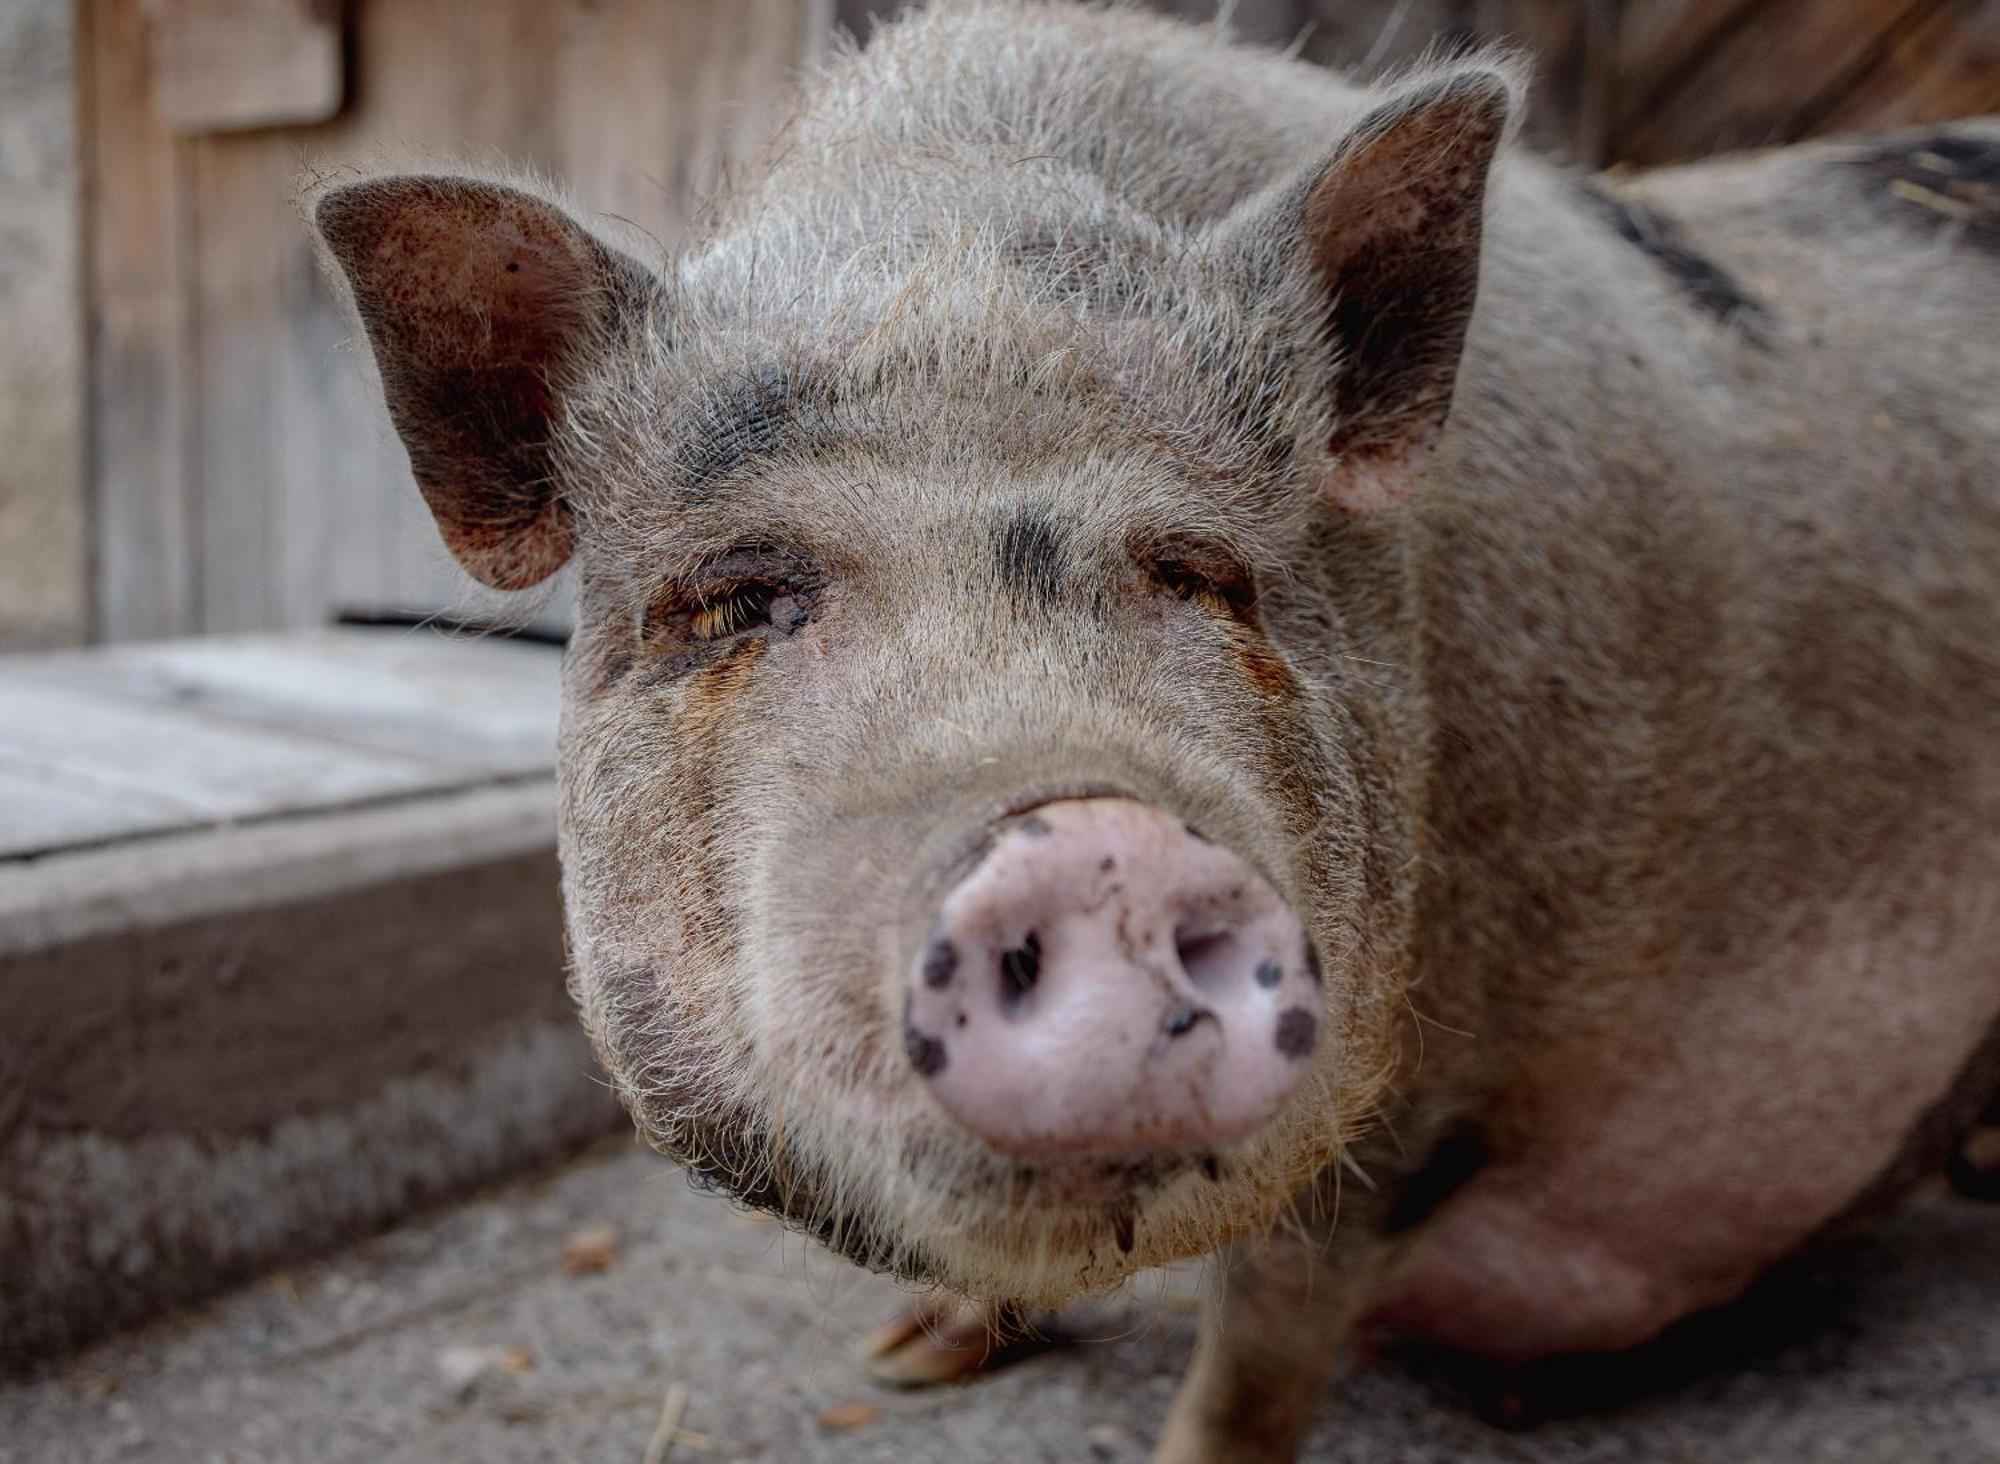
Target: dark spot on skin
1950 179
734 423
1457 1157
940 964
1298 1032
1020 969
1034 827
1312 962
1707 285
1269 974
1108 863
1028 551
513 266
926 1052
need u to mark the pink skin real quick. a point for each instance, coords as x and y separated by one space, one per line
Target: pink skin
1106 982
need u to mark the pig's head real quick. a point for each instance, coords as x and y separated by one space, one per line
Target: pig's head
993 760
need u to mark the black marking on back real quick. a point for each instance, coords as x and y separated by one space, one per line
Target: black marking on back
1457 1157
1029 553
1950 178
1707 285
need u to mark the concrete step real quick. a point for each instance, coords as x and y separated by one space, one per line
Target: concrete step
280 958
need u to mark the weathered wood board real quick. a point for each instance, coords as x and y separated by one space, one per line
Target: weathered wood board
147 739
222 65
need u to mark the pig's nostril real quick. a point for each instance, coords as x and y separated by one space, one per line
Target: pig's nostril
1209 958
1020 969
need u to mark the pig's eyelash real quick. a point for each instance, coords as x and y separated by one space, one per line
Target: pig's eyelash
739 609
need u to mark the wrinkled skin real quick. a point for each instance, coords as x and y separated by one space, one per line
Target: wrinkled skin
1594 644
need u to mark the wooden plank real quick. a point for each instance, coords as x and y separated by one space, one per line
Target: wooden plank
42 809
482 707
1944 65
213 770
235 414
223 64
135 247
1757 74
44 583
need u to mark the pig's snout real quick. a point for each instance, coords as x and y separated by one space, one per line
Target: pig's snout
1105 981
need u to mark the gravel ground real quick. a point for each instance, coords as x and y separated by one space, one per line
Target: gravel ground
514 1328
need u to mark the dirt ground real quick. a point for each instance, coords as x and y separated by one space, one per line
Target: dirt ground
515 1328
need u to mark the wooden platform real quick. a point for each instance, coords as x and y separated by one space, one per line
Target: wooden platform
280 957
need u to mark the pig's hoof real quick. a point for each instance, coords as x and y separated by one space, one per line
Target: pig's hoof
948 1342
1974 1171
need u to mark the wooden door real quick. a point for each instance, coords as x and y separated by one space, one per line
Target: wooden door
243 473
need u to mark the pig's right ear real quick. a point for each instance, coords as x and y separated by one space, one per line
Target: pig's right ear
483 304
1388 227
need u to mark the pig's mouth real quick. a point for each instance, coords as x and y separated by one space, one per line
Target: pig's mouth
982 1224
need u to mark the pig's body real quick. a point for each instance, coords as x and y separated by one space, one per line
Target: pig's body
1629 753
1718 808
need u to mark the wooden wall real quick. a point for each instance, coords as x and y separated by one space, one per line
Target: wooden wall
243 473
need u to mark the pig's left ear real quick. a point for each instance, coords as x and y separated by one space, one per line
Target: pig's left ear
1390 228
483 304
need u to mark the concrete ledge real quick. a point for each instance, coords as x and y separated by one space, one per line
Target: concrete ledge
296 1034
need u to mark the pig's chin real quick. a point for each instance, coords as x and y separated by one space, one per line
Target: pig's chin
962 1218
1045 1233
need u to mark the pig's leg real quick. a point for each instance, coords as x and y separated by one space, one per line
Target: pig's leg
1280 1322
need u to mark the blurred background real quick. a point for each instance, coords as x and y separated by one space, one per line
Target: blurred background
280 951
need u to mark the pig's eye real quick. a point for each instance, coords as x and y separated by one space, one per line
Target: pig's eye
1206 575
741 608
747 592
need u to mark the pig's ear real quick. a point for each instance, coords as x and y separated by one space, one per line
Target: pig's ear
482 304
1390 225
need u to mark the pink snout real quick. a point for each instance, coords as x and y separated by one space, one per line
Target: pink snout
1107 982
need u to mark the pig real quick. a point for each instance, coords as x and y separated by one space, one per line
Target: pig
1175 654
